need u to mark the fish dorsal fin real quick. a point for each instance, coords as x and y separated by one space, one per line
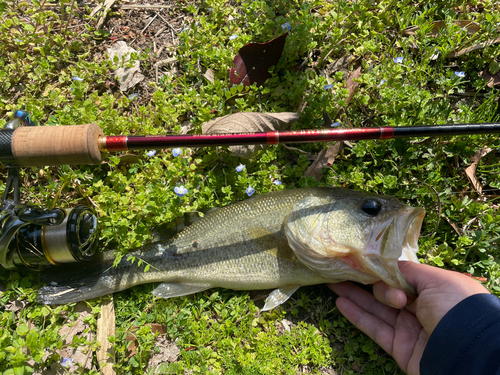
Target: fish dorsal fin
169 290
279 296
166 231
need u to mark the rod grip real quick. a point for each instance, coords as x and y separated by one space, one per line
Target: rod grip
34 146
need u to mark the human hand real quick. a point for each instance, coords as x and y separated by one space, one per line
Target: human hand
402 325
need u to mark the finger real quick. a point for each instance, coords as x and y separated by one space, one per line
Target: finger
390 296
365 301
419 275
376 329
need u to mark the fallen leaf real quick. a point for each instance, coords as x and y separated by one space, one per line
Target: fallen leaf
15 306
249 122
473 48
325 158
209 75
128 77
351 84
287 325
80 356
470 171
491 79
341 64
186 127
169 351
472 27
253 61
326 118
161 329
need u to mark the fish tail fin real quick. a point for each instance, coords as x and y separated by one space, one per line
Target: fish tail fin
77 282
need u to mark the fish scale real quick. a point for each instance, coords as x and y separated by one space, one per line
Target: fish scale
268 241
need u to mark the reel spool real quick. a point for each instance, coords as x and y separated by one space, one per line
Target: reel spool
54 237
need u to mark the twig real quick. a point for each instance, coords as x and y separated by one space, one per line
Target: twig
166 61
164 20
107 5
149 23
122 6
162 29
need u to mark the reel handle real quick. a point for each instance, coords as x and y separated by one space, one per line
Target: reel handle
34 146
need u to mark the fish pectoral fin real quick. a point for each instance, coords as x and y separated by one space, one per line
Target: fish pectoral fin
273 242
279 296
169 290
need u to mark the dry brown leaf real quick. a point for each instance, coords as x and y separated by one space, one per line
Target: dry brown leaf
341 64
351 84
325 158
128 77
470 171
105 328
473 48
491 79
249 122
472 27
169 352
161 329
15 306
186 127
209 75
82 355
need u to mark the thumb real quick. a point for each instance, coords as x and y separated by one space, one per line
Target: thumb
420 275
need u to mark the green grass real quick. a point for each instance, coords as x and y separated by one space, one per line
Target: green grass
221 331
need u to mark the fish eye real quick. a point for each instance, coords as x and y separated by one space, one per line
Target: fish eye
371 207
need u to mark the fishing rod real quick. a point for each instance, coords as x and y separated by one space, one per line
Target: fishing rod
34 237
29 146
124 143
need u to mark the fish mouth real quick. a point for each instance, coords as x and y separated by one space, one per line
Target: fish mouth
409 223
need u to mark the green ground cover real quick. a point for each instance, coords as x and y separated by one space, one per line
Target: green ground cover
436 81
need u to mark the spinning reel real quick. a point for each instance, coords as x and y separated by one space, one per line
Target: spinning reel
35 237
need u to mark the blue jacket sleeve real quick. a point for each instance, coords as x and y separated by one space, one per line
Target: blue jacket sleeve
466 340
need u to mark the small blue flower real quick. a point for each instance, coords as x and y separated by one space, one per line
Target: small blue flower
77 79
131 97
277 182
67 362
18 40
327 87
398 60
176 152
460 74
335 124
250 190
381 83
180 191
240 167
185 29
151 153
286 26
234 36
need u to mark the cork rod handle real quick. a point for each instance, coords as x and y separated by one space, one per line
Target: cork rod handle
56 145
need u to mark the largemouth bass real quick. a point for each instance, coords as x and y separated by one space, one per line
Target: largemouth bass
281 240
